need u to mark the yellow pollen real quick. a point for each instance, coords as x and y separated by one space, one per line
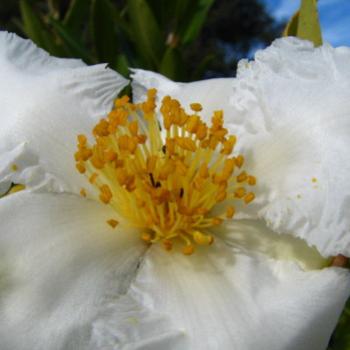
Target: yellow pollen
217 221
240 192
239 161
82 140
167 244
251 180
242 177
249 197
93 178
14 167
188 249
202 239
196 107
146 236
165 173
230 211
81 168
113 223
106 194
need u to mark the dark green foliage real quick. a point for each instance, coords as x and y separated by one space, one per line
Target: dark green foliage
233 28
305 23
182 39
341 337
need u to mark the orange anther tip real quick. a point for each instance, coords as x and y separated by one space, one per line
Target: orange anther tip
113 223
249 197
146 236
188 250
196 107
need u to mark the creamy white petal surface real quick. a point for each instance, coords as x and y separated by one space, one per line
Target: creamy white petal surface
68 281
46 102
253 236
295 100
59 263
213 94
217 299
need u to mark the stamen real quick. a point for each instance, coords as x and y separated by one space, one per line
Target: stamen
165 185
230 211
113 223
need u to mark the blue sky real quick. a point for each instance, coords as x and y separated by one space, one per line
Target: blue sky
334 17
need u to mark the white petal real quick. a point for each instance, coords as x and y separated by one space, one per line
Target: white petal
217 299
294 101
213 94
4 187
47 101
60 263
253 236
21 165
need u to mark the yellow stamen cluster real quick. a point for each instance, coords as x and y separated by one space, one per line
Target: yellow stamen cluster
165 179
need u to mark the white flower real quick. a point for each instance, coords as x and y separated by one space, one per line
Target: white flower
68 281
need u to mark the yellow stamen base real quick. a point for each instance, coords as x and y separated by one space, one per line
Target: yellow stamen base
165 179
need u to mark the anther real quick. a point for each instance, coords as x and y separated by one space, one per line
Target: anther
166 187
239 160
240 192
249 197
196 107
251 180
167 244
113 223
146 236
230 211
188 249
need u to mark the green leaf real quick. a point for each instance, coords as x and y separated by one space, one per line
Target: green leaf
163 11
75 18
36 30
103 30
197 21
121 65
292 26
172 65
184 8
146 33
172 14
201 67
341 337
308 22
72 44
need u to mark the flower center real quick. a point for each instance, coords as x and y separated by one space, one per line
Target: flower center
174 181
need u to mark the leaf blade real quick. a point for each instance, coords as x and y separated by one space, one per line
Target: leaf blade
102 29
36 30
73 45
292 26
197 21
309 27
146 33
